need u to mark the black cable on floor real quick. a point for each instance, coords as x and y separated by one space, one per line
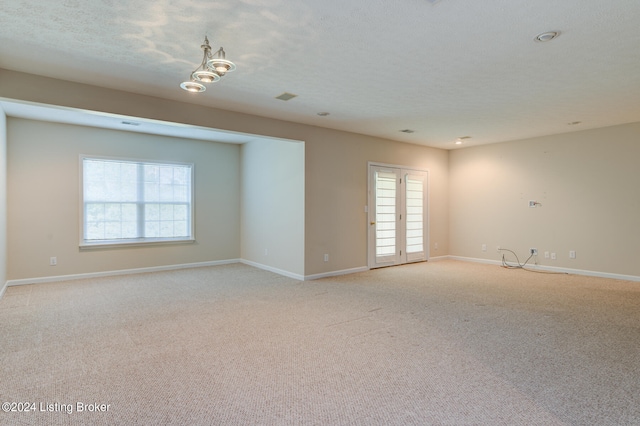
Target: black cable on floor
519 265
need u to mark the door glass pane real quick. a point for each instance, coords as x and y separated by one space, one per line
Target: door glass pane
385 214
414 214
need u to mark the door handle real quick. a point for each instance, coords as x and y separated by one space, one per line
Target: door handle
373 223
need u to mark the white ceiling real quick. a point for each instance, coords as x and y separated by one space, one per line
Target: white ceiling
443 68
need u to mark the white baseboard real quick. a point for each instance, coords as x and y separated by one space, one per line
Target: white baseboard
56 278
438 258
39 280
555 269
272 269
335 273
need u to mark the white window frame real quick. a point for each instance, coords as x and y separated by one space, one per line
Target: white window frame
127 242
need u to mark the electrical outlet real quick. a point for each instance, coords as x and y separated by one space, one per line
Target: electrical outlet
435 246
533 251
554 256
484 247
53 261
572 254
546 254
266 252
326 257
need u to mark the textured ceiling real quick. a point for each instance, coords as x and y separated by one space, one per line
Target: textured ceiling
443 68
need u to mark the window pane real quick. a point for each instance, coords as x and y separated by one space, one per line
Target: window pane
151 191
95 231
180 228
112 230
166 192
129 229
166 212
152 212
166 229
181 193
180 212
152 229
120 197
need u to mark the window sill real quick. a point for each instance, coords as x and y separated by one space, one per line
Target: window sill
139 242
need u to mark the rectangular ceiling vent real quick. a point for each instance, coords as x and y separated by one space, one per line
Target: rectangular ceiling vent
286 96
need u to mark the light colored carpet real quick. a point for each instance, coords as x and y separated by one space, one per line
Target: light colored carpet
436 343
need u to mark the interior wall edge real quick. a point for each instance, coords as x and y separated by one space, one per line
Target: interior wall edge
272 269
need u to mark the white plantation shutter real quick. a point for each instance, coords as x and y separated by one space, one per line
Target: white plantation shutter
386 200
414 205
134 201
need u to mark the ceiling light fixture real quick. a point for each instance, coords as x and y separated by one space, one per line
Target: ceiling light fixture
213 67
548 36
461 139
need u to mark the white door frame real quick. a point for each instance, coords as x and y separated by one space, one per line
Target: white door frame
371 220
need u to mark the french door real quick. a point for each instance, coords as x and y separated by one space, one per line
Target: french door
397 216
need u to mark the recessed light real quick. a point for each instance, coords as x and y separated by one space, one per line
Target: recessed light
547 36
573 123
407 131
461 140
323 114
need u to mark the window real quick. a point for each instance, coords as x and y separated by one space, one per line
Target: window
134 201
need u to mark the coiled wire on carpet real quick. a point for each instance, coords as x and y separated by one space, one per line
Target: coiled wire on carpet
519 265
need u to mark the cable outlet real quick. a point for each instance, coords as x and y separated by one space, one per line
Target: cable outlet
533 251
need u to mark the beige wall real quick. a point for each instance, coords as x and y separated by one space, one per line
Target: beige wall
43 199
587 183
337 171
335 163
272 208
3 199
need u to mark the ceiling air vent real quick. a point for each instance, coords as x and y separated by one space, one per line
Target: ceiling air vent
286 96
